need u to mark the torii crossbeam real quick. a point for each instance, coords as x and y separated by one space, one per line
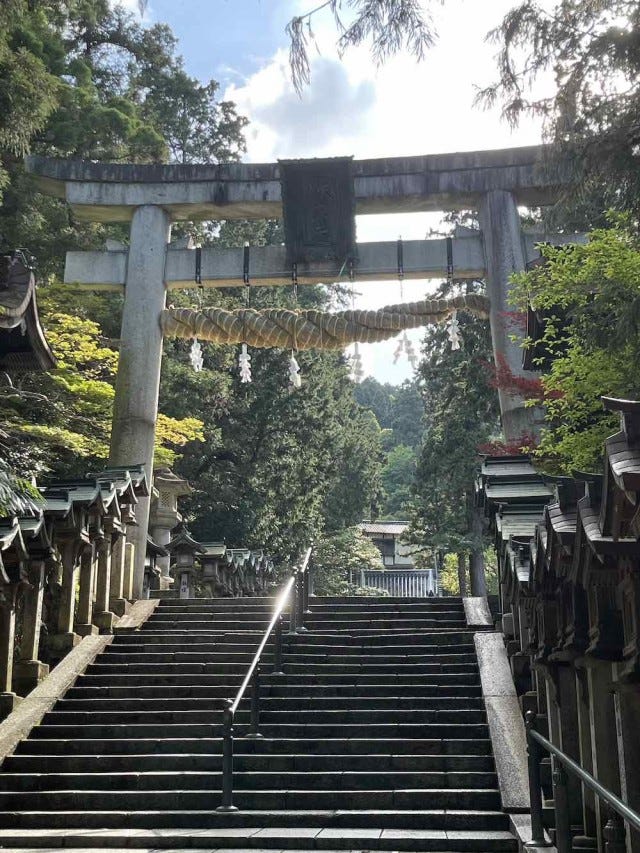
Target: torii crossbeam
318 200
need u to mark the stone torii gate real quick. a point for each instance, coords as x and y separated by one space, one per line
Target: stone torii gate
318 200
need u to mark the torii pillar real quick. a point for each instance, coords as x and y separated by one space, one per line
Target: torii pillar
135 407
504 255
150 197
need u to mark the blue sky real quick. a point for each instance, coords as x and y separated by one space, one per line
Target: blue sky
224 38
351 107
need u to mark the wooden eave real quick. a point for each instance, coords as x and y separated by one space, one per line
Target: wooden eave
603 545
23 346
155 550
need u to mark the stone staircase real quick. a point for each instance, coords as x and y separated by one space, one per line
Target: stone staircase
374 739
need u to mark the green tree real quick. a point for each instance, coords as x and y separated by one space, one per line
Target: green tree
407 414
592 49
376 397
398 476
388 26
463 414
590 295
59 422
338 559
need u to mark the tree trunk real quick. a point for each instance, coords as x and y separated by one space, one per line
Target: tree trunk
462 574
476 573
476 558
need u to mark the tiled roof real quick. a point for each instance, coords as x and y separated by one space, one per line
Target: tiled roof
392 527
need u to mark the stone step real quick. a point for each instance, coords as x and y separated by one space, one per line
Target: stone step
19 763
380 612
379 714
338 623
435 680
129 656
335 645
384 638
149 712
170 744
91 800
260 780
422 819
301 842
320 669
100 688
141 698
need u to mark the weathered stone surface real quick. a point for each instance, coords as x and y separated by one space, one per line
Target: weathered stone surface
521 828
477 612
138 614
32 709
111 192
505 721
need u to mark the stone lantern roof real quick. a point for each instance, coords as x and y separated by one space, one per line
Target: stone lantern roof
183 541
23 346
165 480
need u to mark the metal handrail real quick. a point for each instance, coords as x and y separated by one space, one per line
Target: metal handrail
300 580
614 830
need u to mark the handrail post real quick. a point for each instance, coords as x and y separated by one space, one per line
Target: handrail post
614 834
254 731
293 607
564 842
227 761
307 588
534 754
277 652
300 602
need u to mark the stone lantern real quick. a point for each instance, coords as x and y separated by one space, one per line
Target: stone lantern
167 488
151 570
183 547
212 554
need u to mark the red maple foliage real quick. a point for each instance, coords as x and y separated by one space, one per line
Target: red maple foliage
516 320
523 444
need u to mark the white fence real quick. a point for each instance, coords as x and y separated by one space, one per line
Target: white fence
405 583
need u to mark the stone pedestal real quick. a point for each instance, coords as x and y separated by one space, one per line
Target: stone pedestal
60 645
28 670
65 638
604 739
129 566
138 381
118 604
103 617
589 823
8 699
627 710
84 624
27 674
8 703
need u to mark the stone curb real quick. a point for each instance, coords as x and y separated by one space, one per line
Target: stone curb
477 613
137 615
35 705
506 726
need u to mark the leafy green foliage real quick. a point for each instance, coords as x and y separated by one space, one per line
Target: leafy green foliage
398 476
590 295
17 495
338 560
389 26
400 412
463 413
449 578
60 422
593 49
